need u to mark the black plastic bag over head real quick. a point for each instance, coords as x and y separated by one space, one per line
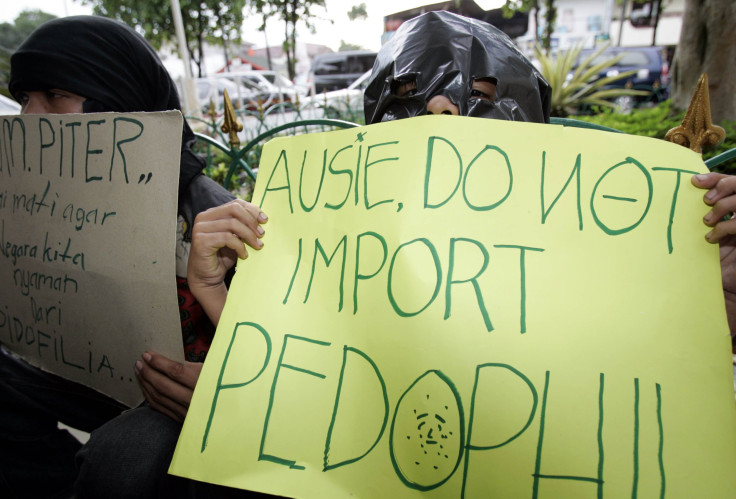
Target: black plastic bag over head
442 54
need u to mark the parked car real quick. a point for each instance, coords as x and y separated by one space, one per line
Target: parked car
267 80
8 106
303 83
338 70
345 103
652 72
273 87
244 92
213 89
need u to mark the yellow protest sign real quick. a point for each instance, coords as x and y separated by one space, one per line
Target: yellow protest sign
87 233
459 307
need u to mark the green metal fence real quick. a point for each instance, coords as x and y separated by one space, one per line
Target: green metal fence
236 167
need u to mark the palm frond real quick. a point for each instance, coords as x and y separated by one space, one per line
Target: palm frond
574 85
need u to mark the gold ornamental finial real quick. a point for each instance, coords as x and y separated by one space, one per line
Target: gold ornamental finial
259 107
213 109
231 125
697 129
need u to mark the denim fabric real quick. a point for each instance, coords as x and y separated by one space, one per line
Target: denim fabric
129 458
37 458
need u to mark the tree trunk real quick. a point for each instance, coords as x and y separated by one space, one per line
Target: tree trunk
287 41
192 58
224 46
200 60
657 6
621 21
201 69
707 45
292 43
550 16
268 49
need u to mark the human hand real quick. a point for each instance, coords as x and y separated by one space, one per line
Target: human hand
721 197
167 385
217 242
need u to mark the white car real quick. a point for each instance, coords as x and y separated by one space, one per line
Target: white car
269 80
8 106
274 86
346 103
213 88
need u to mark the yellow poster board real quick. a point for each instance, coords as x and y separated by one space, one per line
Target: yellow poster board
459 307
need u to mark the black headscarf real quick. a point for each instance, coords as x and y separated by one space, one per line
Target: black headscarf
116 70
443 53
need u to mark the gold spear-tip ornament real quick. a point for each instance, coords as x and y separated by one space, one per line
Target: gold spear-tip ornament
697 130
231 125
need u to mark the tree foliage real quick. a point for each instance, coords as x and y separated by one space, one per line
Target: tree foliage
291 12
212 21
344 46
534 7
12 35
577 85
512 6
707 45
657 121
358 12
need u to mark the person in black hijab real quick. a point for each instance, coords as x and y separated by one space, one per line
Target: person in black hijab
115 70
93 64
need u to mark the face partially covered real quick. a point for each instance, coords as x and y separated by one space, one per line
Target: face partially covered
442 63
53 101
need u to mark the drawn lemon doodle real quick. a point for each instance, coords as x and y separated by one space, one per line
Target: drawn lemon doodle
427 432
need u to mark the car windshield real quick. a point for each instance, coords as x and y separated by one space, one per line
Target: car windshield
250 85
361 82
278 79
629 58
239 89
326 66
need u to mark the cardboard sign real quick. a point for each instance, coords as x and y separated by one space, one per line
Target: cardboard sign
87 234
459 307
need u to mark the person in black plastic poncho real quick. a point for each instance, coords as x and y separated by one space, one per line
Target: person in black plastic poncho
441 62
91 64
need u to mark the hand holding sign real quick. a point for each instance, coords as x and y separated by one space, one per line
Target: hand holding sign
217 242
721 195
168 385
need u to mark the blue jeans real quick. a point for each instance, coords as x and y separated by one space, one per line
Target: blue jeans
37 458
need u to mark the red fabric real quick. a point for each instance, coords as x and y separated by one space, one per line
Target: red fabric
196 329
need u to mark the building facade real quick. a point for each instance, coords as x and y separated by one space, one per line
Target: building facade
592 22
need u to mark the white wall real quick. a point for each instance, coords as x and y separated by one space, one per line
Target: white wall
668 33
587 21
